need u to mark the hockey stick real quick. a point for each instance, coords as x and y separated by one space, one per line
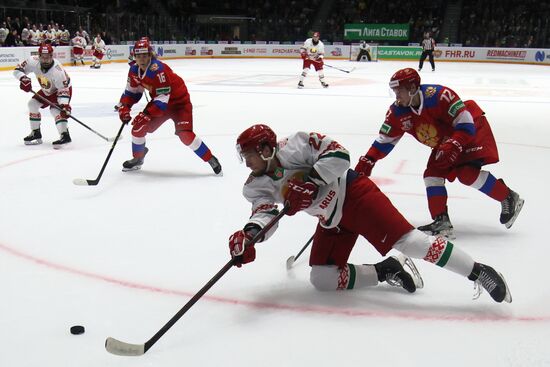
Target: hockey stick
345 71
71 116
120 348
291 260
84 182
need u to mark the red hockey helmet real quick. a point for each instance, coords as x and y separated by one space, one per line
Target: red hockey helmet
405 78
143 46
255 138
45 49
316 34
45 55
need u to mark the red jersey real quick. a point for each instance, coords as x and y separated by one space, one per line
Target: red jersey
441 113
164 86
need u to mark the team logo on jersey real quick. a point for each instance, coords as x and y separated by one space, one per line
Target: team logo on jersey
313 50
154 67
427 135
430 91
385 129
44 82
406 125
457 105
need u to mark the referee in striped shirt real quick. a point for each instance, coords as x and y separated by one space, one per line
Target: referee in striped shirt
428 45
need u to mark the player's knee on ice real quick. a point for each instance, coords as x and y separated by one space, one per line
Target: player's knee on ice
324 277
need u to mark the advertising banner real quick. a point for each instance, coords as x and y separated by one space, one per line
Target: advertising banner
375 32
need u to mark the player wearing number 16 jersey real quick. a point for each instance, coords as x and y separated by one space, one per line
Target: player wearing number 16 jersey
461 140
169 100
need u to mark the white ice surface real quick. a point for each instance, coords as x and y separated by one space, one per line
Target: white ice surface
123 257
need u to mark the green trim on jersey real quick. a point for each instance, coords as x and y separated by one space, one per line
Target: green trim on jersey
352 276
164 90
385 128
453 109
341 155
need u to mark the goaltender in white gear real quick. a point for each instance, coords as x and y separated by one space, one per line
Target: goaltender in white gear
55 86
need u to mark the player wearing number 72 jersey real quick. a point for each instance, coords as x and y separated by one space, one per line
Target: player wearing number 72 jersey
461 140
169 100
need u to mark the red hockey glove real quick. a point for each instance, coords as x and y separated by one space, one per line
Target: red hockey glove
300 195
25 83
241 253
365 165
124 114
65 111
447 153
141 119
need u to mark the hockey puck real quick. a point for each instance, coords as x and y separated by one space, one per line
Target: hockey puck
77 330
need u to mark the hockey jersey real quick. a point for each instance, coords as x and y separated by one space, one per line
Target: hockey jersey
440 114
164 86
313 51
54 81
297 154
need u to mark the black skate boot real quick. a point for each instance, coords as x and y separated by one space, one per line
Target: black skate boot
325 85
391 271
74 62
216 166
511 207
440 226
300 85
135 163
82 61
492 281
34 138
64 139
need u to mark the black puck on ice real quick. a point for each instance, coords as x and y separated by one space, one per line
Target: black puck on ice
77 330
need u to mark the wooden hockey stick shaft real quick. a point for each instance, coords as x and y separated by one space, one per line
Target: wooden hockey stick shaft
121 348
84 182
70 116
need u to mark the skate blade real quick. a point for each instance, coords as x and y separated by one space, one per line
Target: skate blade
411 268
135 168
34 142
59 146
519 206
447 233
508 296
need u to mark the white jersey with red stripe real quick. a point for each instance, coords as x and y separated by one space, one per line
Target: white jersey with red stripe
79 42
297 154
54 81
99 45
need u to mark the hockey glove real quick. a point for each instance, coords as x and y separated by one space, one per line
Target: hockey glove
447 154
240 252
300 195
124 114
65 111
365 165
25 83
141 119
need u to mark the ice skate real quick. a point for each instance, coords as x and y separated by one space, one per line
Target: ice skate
391 271
135 163
485 277
63 140
440 226
325 85
216 166
34 138
511 207
300 85
74 63
82 61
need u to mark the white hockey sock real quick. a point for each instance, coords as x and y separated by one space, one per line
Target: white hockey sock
61 126
330 277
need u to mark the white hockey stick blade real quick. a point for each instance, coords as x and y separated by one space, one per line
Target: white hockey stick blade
410 266
290 262
119 348
80 182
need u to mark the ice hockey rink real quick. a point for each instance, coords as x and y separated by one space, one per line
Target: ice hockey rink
123 257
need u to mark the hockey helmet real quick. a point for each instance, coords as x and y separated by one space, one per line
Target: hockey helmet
45 55
255 138
316 34
407 78
142 46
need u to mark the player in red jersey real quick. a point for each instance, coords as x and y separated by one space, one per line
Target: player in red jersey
461 140
169 100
